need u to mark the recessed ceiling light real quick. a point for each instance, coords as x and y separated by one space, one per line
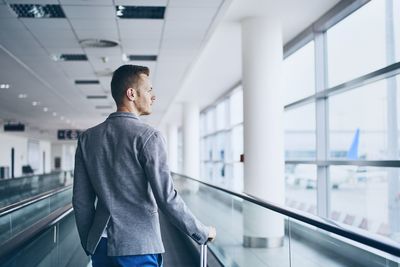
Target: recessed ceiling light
87 82
38 11
54 114
35 103
45 109
4 86
69 57
22 96
140 12
68 121
62 118
142 57
96 97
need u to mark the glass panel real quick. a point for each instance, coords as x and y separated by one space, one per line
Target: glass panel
210 121
366 198
396 23
299 74
236 107
21 219
21 188
300 125
313 247
239 224
348 54
359 125
301 187
221 115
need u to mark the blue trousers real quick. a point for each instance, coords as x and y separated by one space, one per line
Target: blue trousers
100 258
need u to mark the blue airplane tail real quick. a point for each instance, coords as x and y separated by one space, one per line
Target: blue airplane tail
352 154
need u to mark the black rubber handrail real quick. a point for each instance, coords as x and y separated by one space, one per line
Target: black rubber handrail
20 204
382 245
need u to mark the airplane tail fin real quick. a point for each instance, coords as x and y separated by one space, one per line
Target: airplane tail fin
352 154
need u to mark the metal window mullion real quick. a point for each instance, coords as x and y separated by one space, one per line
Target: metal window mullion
322 126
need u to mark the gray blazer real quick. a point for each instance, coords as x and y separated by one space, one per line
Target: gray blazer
121 179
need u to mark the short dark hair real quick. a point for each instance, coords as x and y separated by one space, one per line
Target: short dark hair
124 77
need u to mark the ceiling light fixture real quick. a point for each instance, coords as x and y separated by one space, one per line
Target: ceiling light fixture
22 96
45 109
35 103
140 12
54 114
4 86
62 118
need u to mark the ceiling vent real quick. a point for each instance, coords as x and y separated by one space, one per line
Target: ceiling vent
142 57
87 82
98 43
140 12
38 11
73 57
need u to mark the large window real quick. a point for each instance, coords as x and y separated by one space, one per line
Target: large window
347 140
357 44
222 141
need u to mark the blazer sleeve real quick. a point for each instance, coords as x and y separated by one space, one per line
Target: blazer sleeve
83 198
154 162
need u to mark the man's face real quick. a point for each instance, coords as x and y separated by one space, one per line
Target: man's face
144 95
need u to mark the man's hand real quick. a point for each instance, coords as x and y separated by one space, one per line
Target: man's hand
212 233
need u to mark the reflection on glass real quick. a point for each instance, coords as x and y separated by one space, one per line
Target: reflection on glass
300 132
299 74
367 198
301 187
358 124
314 247
348 54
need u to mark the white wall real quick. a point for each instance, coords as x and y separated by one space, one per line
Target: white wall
66 151
20 145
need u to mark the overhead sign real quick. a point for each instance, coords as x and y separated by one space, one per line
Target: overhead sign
68 134
14 127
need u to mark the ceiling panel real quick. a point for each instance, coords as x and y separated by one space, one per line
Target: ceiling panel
92 24
203 15
110 34
77 69
7 12
142 2
141 46
109 51
86 2
143 28
84 12
194 3
46 24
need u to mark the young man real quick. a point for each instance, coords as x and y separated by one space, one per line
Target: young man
122 178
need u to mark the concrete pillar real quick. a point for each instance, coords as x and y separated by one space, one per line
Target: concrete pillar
191 140
262 56
172 133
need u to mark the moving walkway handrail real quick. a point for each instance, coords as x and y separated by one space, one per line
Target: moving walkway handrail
18 205
19 241
385 246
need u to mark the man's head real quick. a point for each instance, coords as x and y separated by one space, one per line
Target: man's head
131 89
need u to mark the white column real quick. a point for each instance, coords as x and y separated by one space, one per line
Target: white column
262 55
172 134
191 141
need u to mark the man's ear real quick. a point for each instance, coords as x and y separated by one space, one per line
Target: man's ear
131 94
